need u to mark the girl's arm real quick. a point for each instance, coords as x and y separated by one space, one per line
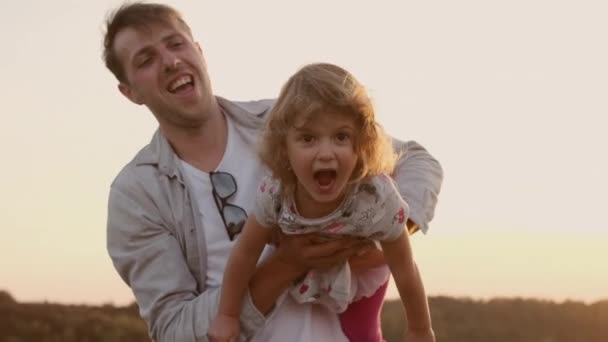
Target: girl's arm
241 265
370 256
398 254
239 271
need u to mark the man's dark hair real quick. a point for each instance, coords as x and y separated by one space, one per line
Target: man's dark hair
135 15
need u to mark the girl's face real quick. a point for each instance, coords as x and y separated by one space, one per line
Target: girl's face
322 156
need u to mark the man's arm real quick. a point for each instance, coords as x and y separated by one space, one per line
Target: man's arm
150 260
295 255
418 176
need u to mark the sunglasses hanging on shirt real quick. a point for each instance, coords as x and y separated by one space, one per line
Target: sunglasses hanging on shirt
223 187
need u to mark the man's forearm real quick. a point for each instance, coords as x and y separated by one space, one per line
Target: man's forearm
295 255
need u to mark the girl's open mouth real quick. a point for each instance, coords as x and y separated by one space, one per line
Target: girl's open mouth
325 178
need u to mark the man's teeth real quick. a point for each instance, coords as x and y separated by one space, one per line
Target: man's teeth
180 82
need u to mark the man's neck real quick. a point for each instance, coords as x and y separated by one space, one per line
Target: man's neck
202 147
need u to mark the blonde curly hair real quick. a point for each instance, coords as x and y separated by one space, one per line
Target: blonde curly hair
318 89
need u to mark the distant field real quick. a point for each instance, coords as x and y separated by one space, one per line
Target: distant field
454 320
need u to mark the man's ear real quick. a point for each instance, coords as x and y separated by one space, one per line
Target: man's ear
198 46
126 90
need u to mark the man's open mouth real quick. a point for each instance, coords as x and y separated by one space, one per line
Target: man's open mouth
181 84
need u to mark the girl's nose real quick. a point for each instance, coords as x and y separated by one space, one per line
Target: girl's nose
325 151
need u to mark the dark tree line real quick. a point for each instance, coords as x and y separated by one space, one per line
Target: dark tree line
43 322
454 320
506 320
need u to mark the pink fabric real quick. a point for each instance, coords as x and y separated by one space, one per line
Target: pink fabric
361 320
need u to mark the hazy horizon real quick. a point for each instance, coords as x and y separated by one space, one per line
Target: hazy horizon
510 97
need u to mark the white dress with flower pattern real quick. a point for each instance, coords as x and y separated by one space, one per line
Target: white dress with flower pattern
372 209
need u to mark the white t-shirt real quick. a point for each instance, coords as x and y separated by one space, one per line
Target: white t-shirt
289 321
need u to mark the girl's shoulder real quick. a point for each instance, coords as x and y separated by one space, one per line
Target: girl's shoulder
380 186
270 185
378 207
267 201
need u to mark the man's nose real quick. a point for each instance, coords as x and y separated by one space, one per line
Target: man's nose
171 62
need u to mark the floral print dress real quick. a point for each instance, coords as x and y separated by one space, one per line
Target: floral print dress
372 209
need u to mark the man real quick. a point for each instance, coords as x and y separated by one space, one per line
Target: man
176 208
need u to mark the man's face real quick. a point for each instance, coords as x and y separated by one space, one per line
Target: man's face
164 69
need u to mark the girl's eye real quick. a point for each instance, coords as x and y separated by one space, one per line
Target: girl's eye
176 44
342 137
307 138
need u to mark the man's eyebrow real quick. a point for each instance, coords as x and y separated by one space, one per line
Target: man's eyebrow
143 51
148 49
171 37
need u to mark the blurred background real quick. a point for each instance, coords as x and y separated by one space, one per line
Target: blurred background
510 97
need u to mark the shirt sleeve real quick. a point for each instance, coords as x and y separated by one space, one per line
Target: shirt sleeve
267 202
419 177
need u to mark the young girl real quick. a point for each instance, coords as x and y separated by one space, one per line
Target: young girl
329 162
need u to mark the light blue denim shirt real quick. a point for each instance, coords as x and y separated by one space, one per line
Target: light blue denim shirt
156 242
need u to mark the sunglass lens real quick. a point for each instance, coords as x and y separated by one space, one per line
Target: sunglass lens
235 218
224 184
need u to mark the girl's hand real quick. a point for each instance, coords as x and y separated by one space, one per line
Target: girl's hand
426 335
224 328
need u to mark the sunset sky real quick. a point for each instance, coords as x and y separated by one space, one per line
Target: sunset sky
510 96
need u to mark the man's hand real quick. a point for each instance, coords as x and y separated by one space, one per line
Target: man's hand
316 251
295 255
368 257
224 328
